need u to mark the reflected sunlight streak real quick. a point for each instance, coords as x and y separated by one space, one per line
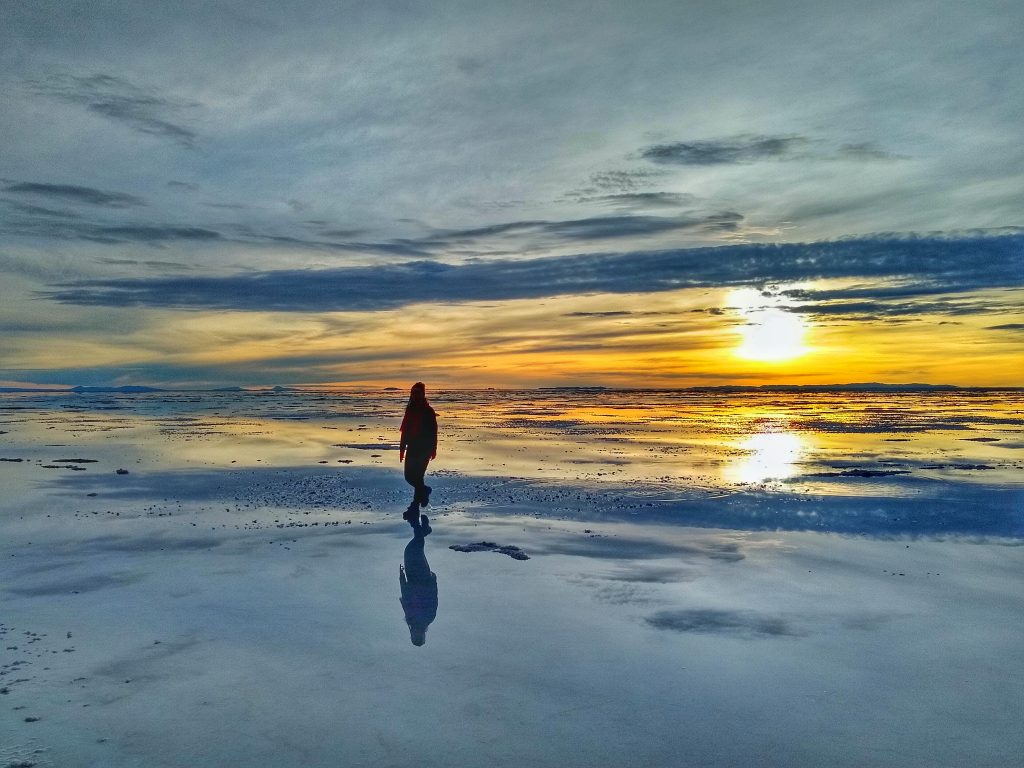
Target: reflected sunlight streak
771 456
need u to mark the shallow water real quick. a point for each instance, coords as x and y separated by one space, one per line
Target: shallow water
922 462
713 579
727 439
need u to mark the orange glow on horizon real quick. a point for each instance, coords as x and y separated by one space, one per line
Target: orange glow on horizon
683 338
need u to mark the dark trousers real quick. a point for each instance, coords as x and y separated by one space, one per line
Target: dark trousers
415 467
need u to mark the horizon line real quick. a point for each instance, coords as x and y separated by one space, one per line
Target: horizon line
834 386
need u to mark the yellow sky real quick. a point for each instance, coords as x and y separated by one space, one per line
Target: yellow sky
681 338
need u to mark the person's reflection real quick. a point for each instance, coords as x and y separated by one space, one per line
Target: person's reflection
419 584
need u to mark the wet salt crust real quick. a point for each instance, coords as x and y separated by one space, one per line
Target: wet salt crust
699 591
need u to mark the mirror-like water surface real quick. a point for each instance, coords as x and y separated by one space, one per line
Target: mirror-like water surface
721 438
610 578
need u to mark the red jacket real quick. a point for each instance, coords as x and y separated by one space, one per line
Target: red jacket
419 429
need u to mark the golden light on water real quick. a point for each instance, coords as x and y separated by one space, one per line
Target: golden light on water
770 456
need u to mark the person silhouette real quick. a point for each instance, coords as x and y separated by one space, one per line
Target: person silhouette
418 582
418 445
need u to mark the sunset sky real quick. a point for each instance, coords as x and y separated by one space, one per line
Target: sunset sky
511 193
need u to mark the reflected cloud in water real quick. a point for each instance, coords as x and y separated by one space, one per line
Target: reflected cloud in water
716 621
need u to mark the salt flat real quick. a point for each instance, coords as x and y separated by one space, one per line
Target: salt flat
694 595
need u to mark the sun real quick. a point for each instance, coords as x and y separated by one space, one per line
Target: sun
770 334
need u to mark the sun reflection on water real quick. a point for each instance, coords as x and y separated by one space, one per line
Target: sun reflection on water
770 456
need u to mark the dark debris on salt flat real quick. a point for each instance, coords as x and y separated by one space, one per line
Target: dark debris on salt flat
489 546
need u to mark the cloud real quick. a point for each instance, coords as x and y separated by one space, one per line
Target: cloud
867 151
494 239
882 309
750 148
888 301
228 206
142 110
51 227
644 200
152 234
744 148
634 201
344 234
604 227
611 313
38 210
517 237
592 228
629 190
575 231
75 194
1007 327
714 621
346 133
952 264
622 181
151 263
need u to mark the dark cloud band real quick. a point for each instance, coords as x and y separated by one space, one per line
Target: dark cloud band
932 263
737 149
75 194
749 148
